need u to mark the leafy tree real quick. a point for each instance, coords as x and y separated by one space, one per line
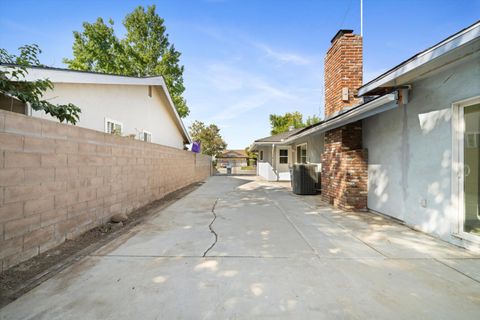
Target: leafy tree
312 120
212 143
252 156
14 84
282 123
144 51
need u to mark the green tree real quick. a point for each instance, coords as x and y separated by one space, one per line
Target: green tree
212 143
252 156
312 120
282 123
144 51
14 84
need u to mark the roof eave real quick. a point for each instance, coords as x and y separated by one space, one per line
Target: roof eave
365 110
74 76
422 60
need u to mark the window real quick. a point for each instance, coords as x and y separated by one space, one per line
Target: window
12 104
302 153
113 126
283 155
261 155
146 136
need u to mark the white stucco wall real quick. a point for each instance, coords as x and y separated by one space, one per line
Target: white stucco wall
129 104
410 150
315 146
267 153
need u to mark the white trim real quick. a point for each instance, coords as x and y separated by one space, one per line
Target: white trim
147 132
423 58
74 76
457 169
296 152
114 122
349 117
280 156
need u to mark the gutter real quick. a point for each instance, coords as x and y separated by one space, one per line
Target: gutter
362 111
270 143
453 42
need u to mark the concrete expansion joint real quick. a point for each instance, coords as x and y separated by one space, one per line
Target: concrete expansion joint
210 226
457 270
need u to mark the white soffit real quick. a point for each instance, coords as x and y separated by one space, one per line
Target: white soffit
380 104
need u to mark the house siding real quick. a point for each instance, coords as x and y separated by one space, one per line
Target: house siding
128 104
315 147
410 150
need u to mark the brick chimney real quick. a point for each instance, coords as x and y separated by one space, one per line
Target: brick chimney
343 71
344 161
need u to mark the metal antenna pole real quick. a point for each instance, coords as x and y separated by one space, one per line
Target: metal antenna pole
361 18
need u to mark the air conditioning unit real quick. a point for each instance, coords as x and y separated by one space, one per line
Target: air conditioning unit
304 179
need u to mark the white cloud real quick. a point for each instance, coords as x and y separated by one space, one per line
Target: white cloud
244 90
284 57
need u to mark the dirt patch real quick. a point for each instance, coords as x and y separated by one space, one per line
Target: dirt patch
25 276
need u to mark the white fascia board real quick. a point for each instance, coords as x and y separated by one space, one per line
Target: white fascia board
368 109
72 76
423 58
177 116
255 145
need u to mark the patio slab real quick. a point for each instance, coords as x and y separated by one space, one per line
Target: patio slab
277 256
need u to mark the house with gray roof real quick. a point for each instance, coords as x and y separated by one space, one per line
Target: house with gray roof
405 145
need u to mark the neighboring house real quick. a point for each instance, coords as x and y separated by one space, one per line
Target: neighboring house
128 106
406 144
275 154
232 158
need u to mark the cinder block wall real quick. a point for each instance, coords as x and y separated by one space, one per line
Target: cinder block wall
58 181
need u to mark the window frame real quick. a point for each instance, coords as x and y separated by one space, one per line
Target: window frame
142 136
114 122
299 156
280 157
457 169
260 154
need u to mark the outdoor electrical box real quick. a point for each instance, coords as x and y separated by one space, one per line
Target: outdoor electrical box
345 94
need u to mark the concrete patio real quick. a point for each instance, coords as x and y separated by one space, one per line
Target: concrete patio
278 255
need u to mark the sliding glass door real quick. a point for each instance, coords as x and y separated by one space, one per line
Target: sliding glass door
471 169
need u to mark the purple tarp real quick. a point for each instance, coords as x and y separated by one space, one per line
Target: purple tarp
196 146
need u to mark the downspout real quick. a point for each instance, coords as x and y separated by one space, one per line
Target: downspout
274 161
274 165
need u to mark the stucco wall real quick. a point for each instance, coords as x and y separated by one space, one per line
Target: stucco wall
129 104
315 145
58 180
410 150
267 153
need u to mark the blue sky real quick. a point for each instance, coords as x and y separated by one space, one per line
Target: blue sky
246 59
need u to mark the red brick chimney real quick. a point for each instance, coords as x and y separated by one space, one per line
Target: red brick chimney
344 161
343 71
